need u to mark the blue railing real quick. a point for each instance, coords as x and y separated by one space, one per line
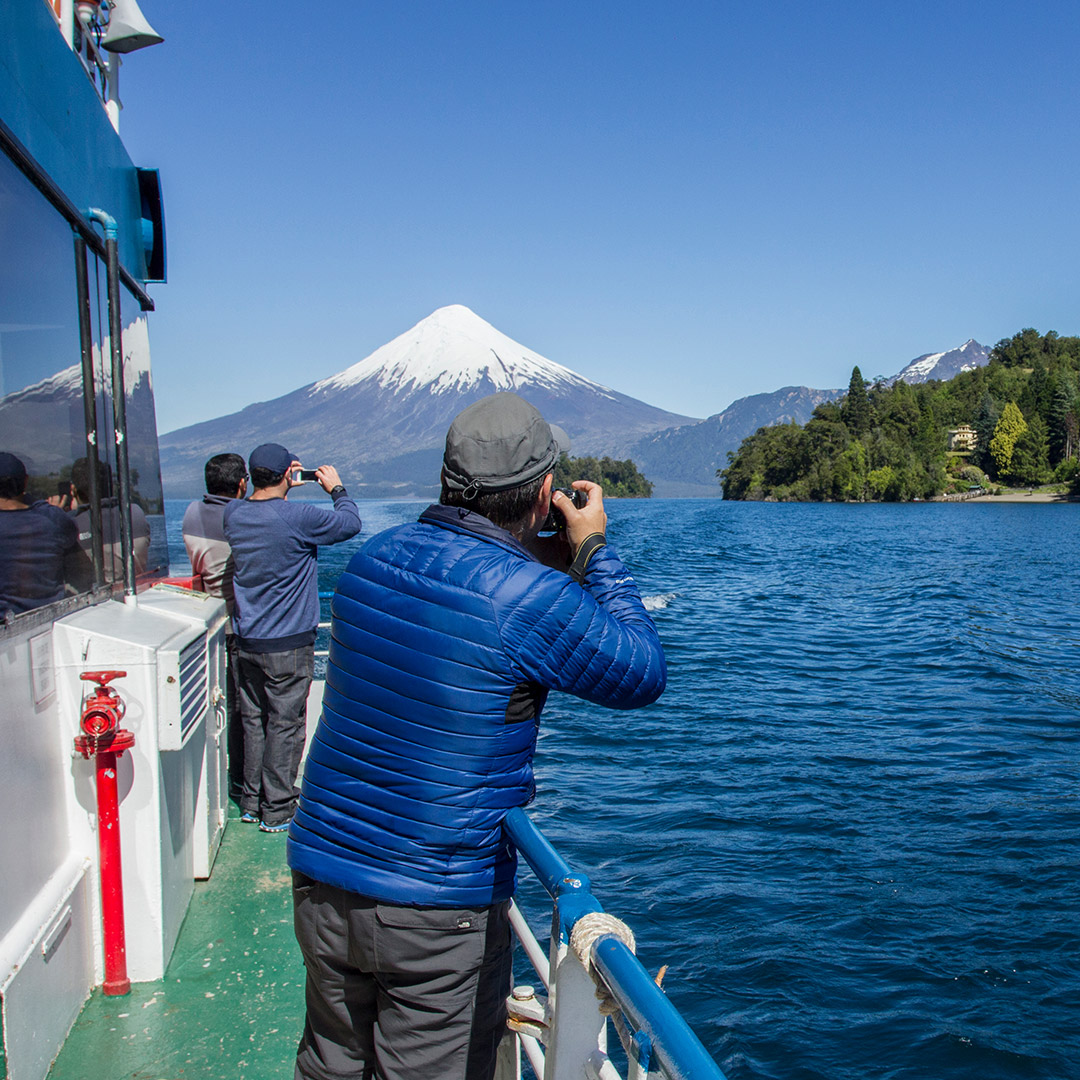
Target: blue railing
658 1030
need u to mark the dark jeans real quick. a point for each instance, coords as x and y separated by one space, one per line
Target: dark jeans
399 993
273 703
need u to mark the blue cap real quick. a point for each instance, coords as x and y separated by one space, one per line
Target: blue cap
272 457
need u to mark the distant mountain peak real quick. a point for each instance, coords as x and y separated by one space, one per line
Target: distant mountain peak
454 350
943 365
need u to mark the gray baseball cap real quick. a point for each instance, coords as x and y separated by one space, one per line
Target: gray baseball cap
500 442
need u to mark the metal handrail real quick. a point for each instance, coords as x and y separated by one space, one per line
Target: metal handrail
644 1004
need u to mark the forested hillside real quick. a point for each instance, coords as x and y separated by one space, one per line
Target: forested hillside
882 443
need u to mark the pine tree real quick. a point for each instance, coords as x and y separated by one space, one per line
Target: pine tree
1030 458
856 412
1058 423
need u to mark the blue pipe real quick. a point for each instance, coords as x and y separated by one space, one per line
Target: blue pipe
106 221
547 864
649 1010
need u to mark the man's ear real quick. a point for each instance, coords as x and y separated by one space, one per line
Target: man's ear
545 489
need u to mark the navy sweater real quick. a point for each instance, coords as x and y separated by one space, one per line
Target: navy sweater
275 554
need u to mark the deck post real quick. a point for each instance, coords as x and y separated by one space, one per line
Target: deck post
576 1027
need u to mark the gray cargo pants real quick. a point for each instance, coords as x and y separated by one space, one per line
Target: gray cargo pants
399 993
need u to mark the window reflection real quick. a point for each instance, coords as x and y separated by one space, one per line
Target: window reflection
147 499
44 464
41 413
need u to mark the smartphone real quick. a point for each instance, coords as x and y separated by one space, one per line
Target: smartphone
304 476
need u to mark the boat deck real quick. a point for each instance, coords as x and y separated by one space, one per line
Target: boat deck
231 1004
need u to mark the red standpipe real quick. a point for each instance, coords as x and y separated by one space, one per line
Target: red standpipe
105 741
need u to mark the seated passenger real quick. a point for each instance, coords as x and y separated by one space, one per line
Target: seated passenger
39 546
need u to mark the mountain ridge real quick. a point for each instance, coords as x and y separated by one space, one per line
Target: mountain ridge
382 421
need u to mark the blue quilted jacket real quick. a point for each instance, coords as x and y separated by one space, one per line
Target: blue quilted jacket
447 635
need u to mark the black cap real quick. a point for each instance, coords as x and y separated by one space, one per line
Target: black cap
500 442
11 468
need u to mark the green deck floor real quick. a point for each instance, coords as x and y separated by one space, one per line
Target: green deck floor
231 1004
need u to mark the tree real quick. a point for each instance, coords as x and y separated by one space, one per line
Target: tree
856 412
985 421
1008 430
1031 455
889 442
1020 350
885 483
1062 422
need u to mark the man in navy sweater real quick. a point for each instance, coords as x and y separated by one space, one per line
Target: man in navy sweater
275 618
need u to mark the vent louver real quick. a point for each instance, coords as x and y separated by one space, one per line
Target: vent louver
193 684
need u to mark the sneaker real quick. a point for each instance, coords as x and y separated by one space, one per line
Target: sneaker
281 826
248 818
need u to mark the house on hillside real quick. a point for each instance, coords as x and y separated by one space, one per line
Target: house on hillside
963 439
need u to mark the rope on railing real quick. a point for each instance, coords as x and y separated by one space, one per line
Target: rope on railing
588 930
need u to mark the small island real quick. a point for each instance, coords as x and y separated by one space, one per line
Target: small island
619 479
1014 422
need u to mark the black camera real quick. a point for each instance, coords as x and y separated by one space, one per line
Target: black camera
555 521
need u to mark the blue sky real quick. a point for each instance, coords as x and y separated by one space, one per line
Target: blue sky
688 202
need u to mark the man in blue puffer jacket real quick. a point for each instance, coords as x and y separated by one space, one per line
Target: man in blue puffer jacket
447 636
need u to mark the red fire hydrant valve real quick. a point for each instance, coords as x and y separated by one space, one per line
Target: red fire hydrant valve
102 712
104 740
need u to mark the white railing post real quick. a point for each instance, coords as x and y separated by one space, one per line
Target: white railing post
576 1027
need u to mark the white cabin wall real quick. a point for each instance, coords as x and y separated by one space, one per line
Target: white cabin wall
46 889
35 774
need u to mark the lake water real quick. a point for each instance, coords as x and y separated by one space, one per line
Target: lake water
850 825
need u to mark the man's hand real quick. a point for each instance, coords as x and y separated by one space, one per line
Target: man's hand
292 472
591 518
328 477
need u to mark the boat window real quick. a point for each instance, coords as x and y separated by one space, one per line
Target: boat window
42 426
47 539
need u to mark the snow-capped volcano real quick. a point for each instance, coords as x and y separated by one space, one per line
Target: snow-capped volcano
453 350
383 420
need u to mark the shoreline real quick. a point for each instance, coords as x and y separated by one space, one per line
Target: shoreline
1023 497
